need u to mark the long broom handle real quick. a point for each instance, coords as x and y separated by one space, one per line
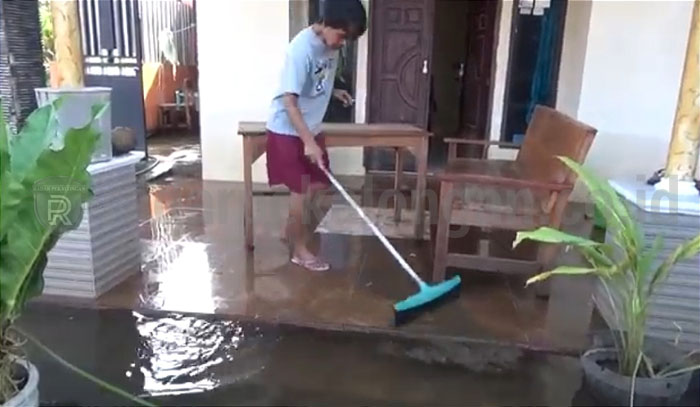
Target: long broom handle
375 229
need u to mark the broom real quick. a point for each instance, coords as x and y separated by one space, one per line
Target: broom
427 295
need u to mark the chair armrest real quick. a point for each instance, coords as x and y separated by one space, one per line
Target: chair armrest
505 182
449 140
496 172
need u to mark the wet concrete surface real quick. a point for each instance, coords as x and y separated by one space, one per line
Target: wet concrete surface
207 322
195 260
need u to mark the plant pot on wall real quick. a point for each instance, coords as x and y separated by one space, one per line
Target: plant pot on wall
609 387
76 111
28 395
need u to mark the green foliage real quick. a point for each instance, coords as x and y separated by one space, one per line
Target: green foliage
47 33
625 267
26 237
28 164
26 160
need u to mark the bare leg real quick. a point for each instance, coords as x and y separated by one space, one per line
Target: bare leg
317 201
314 201
296 229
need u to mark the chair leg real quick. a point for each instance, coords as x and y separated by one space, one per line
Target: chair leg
546 256
442 236
547 253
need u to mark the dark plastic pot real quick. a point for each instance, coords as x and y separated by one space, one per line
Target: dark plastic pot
611 388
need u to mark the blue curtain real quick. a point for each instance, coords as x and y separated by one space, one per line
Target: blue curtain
542 78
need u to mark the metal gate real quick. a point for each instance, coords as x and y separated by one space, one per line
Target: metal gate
111 35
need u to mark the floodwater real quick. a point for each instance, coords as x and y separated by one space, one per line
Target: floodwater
176 359
205 322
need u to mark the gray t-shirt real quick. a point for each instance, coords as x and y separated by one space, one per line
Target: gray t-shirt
309 72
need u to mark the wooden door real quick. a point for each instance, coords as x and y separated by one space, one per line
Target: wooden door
477 72
399 74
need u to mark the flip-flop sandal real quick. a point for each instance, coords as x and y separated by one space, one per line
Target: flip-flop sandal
313 264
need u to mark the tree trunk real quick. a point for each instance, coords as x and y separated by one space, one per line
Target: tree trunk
21 63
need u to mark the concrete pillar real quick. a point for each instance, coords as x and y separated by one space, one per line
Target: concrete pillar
685 138
69 55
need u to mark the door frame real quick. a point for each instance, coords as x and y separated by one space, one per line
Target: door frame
373 18
512 39
494 68
373 23
371 101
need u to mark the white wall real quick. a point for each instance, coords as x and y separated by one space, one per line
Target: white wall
573 56
499 80
634 58
620 72
241 46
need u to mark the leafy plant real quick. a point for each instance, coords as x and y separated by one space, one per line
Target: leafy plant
47 33
625 267
35 176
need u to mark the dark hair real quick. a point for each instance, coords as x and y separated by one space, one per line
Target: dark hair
347 15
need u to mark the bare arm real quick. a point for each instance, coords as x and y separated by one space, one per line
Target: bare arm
292 107
311 149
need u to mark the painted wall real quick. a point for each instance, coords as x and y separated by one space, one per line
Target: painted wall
239 63
573 56
631 80
620 72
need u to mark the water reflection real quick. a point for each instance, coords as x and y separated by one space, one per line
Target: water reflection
177 264
183 354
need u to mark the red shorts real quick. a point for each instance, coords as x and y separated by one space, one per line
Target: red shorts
288 165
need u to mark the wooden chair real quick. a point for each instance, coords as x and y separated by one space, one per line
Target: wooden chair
529 192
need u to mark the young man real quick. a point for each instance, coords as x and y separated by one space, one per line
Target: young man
296 151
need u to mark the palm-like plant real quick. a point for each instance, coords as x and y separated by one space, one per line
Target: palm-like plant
627 270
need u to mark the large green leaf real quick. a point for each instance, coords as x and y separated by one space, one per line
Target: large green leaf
36 135
610 205
561 270
550 235
596 256
29 235
646 260
685 251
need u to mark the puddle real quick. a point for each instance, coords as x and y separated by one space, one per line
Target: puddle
182 354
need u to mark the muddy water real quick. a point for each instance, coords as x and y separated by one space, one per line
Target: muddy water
175 359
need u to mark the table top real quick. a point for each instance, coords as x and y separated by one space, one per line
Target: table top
251 129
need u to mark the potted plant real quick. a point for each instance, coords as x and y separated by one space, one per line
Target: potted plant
629 366
43 182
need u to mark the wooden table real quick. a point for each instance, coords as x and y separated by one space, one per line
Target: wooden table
398 136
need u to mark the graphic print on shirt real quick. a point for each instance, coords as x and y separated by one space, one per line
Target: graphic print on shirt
321 69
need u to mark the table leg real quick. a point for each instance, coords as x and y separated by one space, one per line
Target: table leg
397 184
422 164
248 148
442 236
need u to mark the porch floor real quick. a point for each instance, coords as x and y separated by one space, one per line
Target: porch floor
195 260
207 322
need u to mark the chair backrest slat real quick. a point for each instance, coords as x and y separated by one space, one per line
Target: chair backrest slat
551 134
